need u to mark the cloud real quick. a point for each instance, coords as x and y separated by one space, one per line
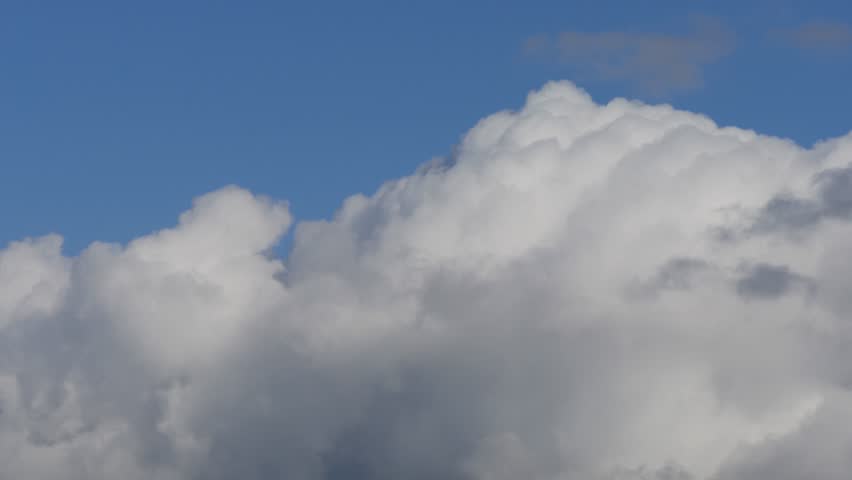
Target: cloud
658 64
827 198
554 303
766 281
819 36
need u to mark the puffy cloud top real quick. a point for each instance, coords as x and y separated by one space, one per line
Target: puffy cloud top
582 291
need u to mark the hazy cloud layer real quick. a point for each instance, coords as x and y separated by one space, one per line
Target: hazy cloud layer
820 36
555 303
660 64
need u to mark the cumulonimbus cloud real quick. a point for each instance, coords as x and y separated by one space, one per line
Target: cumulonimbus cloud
555 302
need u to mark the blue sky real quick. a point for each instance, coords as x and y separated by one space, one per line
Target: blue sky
114 115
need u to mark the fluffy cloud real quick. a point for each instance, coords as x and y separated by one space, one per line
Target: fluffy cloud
583 291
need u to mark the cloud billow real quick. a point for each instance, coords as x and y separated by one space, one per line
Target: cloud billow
553 304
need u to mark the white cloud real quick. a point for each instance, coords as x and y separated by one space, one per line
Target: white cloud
583 292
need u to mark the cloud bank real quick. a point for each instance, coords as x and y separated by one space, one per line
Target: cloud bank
582 291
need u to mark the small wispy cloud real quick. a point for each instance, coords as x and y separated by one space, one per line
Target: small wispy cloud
820 36
659 64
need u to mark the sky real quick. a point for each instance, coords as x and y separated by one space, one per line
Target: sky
147 104
474 242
